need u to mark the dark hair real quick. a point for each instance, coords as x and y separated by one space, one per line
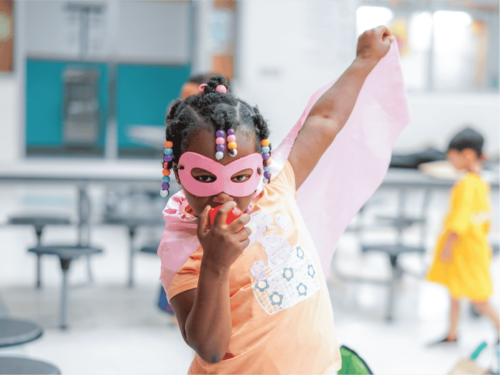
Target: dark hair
467 138
199 78
213 111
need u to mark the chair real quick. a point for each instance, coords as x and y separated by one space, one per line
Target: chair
39 222
66 254
400 223
132 223
23 365
15 331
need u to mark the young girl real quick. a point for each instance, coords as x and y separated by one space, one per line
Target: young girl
252 298
462 260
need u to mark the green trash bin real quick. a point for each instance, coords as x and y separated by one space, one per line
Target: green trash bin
352 363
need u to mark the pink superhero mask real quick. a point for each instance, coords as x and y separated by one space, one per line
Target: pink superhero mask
223 174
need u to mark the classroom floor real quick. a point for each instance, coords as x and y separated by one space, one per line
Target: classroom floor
117 330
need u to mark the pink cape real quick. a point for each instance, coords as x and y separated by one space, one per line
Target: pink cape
348 173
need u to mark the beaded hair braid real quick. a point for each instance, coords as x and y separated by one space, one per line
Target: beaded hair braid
218 111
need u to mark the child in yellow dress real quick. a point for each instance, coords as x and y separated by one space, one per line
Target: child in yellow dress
463 254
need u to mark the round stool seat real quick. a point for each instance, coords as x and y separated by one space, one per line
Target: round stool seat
38 221
23 365
66 252
15 331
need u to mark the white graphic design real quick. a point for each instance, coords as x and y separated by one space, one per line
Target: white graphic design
289 276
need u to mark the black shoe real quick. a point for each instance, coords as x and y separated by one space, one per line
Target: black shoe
443 341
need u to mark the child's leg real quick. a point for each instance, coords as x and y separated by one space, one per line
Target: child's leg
484 308
454 316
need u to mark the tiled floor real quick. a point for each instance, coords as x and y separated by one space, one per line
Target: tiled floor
116 330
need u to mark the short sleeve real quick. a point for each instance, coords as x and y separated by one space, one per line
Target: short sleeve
285 179
459 218
187 276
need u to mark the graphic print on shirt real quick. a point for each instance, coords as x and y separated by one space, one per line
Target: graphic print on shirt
288 276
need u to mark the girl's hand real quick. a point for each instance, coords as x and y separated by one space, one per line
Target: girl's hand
374 44
222 244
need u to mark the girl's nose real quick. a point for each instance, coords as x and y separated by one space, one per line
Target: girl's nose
222 198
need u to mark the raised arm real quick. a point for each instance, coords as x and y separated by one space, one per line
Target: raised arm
330 113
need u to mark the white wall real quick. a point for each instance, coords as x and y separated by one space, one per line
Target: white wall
287 51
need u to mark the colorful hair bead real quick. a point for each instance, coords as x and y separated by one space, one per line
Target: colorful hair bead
201 89
167 158
220 141
266 159
221 88
231 142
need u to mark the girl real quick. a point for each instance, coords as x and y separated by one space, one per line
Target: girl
252 298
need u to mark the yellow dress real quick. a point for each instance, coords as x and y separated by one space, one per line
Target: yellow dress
467 272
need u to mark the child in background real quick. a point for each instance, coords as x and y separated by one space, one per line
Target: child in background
463 254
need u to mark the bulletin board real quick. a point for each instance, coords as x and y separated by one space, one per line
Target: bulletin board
6 35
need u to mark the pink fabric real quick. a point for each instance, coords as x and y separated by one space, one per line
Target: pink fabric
223 174
345 177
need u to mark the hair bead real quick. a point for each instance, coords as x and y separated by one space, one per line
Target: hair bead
232 145
231 138
219 155
265 142
220 133
220 141
221 148
230 131
266 156
265 150
167 158
221 89
233 152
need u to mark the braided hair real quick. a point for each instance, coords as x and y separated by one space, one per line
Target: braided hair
213 111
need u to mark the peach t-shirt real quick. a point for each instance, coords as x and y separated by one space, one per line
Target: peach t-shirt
282 319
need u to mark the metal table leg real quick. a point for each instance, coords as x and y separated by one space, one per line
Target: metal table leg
84 212
131 232
38 270
65 263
